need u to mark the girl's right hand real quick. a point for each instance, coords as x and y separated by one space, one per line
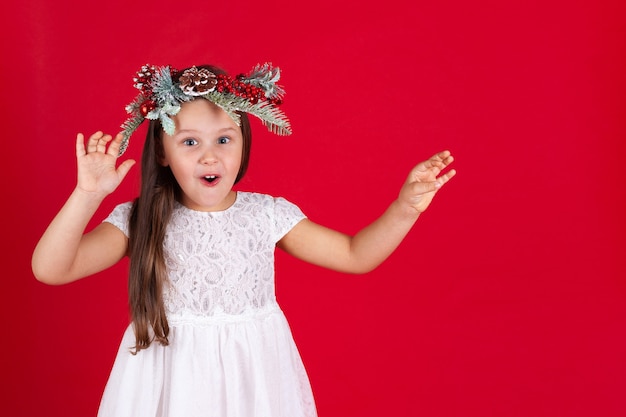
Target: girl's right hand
97 172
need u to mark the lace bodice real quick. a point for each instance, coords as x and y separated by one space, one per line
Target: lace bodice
221 262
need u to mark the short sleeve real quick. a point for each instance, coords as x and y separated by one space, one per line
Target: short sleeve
286 215
119 217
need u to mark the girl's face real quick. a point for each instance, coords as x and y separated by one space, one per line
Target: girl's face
204 155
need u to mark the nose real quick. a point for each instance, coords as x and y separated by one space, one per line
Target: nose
208 156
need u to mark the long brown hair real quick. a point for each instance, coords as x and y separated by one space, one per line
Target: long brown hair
148 222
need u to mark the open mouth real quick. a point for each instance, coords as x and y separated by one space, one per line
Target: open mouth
211 178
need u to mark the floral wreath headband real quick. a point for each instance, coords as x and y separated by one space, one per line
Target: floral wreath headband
160 96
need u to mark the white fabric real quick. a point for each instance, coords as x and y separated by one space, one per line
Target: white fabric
231 353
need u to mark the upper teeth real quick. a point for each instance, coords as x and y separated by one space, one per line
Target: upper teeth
210 176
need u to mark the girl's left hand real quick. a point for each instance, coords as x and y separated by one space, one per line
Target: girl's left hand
424 181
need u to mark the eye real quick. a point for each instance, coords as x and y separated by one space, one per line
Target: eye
190 142
223 140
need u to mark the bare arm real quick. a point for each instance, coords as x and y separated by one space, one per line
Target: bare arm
64 252
373 244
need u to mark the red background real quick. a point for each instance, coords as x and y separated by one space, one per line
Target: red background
507 299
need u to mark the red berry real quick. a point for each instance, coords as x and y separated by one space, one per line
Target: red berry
146 107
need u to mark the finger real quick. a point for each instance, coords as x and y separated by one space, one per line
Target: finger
433 186
92 143
426 168
102 143
447 160
439 160
125 167
436 160
80 145
114 147
445 178
442 159
442 156
431 168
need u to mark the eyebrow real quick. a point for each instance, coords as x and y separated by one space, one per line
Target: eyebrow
227 129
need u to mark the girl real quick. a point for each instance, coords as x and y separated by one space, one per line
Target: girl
207 337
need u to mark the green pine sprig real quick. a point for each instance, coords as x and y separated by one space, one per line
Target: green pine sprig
270 116
164 89
128 127
266 77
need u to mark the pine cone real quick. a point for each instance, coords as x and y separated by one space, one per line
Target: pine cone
144 75
195 82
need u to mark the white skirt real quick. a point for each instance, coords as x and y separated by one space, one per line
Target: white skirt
221 366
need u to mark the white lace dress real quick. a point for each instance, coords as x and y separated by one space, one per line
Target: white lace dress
231 351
